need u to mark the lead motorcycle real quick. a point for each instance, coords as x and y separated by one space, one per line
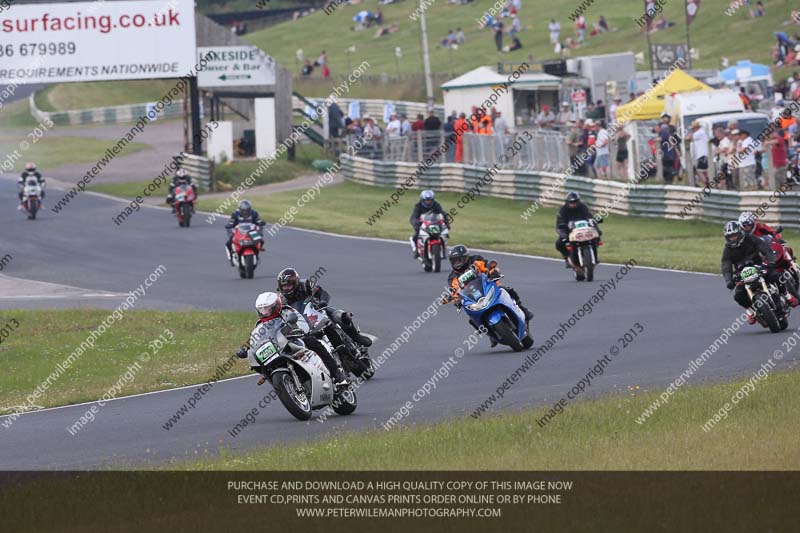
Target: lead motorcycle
298 375
582 243
184 204
325 323
487 303
771 310
431 244
32 197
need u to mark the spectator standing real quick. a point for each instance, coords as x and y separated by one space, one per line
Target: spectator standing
498 35
500 126
592 112
601 110
699 139
565 116
405 125
461 126
335 117
725 148
555 31
450 136
580 29
574 146
622 153
612 111
747 157
588 140
418 124
669 152
515 26
393 127
780 159
546 118
601 151
432 125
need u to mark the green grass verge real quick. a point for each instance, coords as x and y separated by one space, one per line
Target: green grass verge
282 169
16 115
45 338
760 433
53 150
69 96
125 189
495 223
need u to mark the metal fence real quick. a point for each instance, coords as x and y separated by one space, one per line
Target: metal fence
201 168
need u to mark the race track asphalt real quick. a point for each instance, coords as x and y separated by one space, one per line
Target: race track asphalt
682 313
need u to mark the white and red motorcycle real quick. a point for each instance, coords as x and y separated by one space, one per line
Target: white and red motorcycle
431 246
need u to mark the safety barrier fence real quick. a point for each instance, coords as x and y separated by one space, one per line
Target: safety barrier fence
624 198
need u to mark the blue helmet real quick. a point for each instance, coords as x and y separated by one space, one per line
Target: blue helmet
244 208
427 197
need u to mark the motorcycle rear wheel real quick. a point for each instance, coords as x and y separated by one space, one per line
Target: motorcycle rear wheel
345 402
291 398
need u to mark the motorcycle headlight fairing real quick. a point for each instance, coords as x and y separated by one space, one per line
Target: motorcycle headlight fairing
483 302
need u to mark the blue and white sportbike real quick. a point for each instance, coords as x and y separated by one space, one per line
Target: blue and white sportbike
488 304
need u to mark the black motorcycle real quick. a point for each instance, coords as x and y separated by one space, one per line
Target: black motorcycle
771 310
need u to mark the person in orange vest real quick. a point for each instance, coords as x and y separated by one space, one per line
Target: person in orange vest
461 126
485 125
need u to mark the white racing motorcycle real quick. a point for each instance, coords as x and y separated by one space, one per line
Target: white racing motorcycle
299 376
31 197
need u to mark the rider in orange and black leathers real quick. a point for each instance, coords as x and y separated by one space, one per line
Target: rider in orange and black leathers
461 260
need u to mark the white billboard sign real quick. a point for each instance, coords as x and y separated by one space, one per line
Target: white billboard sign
95 41
235 66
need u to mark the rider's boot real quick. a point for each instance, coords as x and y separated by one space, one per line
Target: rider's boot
751 316
353 332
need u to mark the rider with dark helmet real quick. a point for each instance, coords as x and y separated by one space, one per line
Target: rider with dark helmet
296 291
572 210
742 248
427 204
30 170
271 315
461 260
245 213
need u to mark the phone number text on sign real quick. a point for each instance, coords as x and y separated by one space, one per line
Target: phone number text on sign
88 41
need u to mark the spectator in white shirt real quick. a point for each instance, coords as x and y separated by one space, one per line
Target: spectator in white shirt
565 116
500 126
393 127
555 31
699 139
601 151
746 156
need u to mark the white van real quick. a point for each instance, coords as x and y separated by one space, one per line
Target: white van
684 108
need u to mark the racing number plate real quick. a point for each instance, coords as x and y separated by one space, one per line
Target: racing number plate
266 352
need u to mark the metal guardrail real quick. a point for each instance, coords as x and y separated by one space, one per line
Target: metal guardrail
201 169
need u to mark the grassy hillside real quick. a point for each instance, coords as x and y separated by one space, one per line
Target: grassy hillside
332 33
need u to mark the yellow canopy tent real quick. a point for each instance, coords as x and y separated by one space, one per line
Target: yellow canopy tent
650 105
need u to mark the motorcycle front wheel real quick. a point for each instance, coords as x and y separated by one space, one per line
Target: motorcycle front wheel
345 402
296 402
249 266
186 212
588 262
764 310
505 332
436 257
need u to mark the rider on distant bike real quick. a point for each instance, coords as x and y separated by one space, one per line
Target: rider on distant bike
572 210
245 213
30 170
181 177
426 204
269 307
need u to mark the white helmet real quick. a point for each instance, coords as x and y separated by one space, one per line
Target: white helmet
747 219
268 305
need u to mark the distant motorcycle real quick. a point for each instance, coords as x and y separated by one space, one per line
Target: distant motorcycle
432 241
247 243
771 310
31 197
488 304
323 323
582 243
184 204
298 375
